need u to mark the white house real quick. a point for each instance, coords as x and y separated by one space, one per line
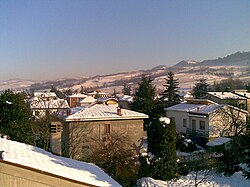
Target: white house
204 118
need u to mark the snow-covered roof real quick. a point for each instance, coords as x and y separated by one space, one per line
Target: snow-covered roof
128 98
88 99
244 94
52 104
98 112
78 95
36 158
102 100
218 141
44 94
183 107
195 108
226 95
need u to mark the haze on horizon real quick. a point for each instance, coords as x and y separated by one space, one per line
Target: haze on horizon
45 39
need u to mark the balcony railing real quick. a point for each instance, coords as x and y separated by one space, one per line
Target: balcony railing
197 132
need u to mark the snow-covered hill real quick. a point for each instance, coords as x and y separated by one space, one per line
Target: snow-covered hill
236 65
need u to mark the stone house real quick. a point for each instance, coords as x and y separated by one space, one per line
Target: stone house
97 123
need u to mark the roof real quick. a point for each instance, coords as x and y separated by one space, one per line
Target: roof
128 98
78 95
88 99
45 94
226 95
37 158
218 141
98 112
195 108
52 104
243 94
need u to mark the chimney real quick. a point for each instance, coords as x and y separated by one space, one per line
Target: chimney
119 111
198 109
56 138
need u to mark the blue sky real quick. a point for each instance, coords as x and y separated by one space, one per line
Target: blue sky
50 39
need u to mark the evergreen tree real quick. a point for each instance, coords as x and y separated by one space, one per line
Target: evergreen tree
200 89
165 167
15 117
126 89
144 97
82 90
171 93
162 139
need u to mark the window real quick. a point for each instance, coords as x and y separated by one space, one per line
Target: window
202 125
185 123
107 129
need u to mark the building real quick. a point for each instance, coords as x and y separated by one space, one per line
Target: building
23 165
98 94
204 118
125 101
41 108
38 96
75 99
228 98
98 122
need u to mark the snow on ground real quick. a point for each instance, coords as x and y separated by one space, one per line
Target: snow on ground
215 180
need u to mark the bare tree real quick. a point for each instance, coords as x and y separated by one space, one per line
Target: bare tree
116 156
229 121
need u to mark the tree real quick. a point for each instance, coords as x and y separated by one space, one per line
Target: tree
116 157
171 93
165 167
15 117
144 97
200 89
162 139
126 89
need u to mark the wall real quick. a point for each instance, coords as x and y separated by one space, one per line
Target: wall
80 137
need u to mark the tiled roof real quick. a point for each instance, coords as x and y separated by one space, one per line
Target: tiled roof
104 112
51 104
34 157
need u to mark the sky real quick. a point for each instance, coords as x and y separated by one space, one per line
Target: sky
52 39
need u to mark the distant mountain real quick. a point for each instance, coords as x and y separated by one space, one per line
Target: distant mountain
187 71
16 84
187 63
239 59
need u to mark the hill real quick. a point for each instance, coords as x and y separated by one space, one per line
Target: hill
236 65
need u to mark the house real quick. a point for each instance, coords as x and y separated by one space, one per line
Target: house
244 93
185 95
107 101
75 99
23 165
44 96
98 122
205 118
87 101
125 101
41 108
97 94
228 98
